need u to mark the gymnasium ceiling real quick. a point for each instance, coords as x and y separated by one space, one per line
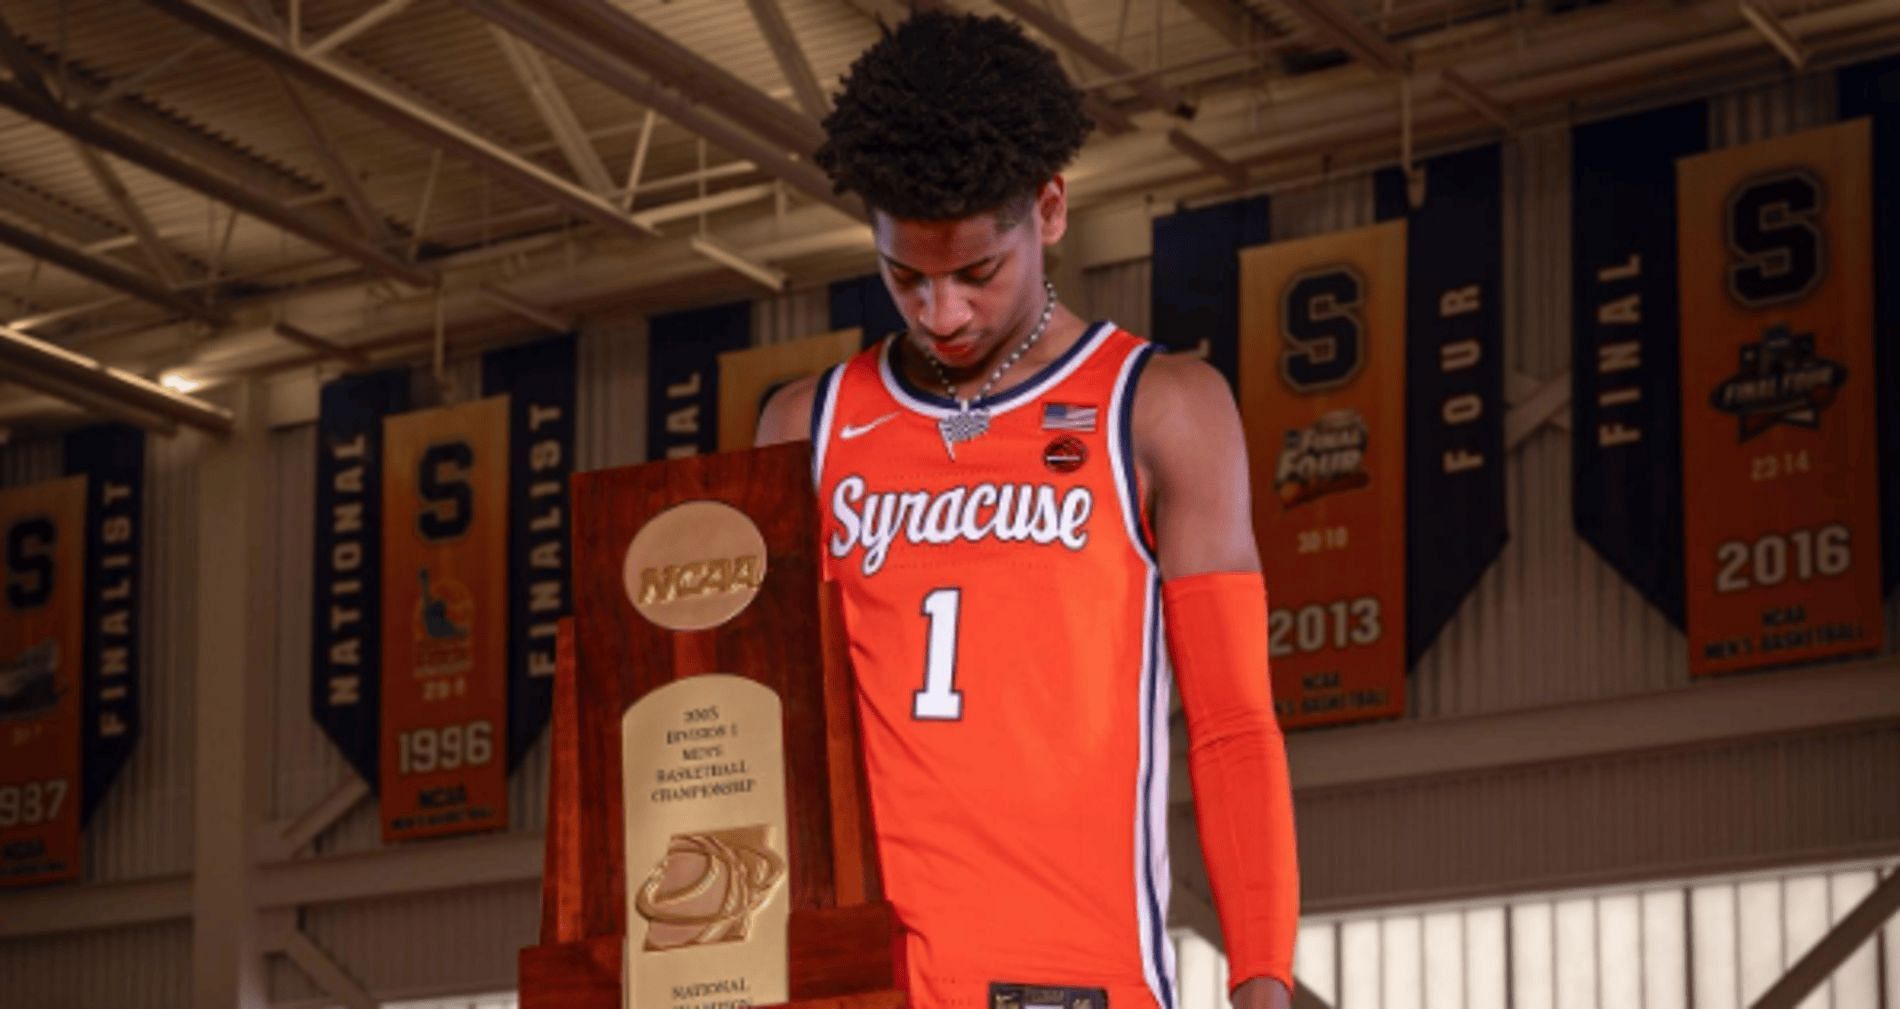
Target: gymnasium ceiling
203 189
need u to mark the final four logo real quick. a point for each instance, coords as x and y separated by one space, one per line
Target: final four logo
27 687
1322 458
1780 381
443 615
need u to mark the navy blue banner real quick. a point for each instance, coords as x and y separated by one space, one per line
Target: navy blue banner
683 376
1194 280
1626 416
866 303
1873 89
1455 521
539 381
112 459
346 620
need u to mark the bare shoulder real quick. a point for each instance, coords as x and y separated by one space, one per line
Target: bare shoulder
787 415
1192 454
1179 396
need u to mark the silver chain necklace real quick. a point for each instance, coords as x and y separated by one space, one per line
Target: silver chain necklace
968 424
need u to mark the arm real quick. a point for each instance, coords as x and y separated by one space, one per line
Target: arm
787 415
1193 456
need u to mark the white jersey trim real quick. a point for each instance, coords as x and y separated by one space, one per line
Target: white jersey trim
1009 399
823 414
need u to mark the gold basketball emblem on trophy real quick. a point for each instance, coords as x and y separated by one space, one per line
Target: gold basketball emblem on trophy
707 887
695 565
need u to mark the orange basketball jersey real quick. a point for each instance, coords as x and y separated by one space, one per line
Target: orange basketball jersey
1004 616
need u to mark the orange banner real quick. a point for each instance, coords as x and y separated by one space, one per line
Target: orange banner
442 763
1322 395
42 616
1780 478
747 378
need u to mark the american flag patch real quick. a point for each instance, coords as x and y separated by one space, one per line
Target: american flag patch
1067 417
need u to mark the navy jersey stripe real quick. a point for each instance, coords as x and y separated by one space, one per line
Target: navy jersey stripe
820 406
1125 422
1158 929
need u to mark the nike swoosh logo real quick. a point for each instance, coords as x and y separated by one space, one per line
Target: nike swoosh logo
851 432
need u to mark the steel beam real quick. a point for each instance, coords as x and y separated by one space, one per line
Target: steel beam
328 348
390 872
327 973
1474 98
1750 707
87 400
698 78
1349 33
20 198
406 115
1152 92
345 184
791 58
152 158
1231 20
1775 33
1826 956
1373 49
164 261
540 316
556 114
1233 172
583 54
110 99
363 22
150 72
105 272
51 910
30 359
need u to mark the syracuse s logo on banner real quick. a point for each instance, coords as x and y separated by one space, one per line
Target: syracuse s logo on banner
1777 256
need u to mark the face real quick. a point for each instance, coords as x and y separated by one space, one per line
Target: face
967 288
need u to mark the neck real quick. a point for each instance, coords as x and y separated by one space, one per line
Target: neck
1064 329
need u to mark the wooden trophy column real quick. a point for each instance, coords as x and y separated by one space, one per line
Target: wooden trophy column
844 949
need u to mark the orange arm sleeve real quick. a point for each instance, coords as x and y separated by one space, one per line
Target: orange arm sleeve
1243 801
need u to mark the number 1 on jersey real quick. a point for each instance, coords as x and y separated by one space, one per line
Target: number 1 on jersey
940 700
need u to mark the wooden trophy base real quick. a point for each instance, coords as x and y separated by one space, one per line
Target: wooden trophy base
829 966
843 946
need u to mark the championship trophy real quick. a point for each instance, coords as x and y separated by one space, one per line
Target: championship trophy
708 840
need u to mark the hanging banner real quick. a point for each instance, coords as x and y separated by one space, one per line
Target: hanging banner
1873 90
112 459
747 378
1322 367
1625 429
683 376
42 690
1781 484
347 613
1456 523
1194 279
445 605
538 379
864 304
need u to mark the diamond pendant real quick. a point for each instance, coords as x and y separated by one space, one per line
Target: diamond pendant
964 425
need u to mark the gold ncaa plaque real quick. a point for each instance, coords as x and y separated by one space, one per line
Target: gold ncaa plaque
695 565
708 902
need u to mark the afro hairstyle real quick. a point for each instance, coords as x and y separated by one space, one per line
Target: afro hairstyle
951 115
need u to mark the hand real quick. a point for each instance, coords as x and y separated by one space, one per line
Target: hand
1262 993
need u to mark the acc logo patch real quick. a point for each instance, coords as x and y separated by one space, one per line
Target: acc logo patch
1780 381
1065 454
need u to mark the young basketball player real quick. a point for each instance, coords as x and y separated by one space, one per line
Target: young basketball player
1036 521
